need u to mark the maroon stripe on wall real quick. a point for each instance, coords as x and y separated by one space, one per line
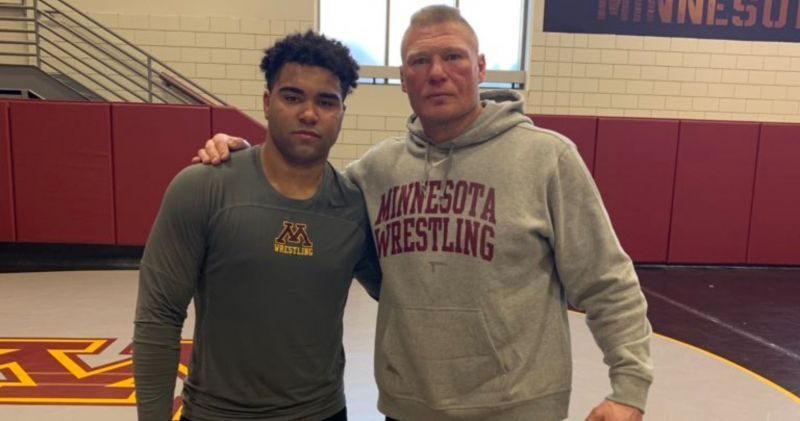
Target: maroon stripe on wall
579 129
234 122
774 229
6 190
62 172
152 143
635 171
713 192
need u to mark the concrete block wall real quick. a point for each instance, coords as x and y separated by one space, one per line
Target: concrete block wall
659 77
9 36
221 54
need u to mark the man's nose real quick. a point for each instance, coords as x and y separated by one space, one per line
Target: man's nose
309 115
437 71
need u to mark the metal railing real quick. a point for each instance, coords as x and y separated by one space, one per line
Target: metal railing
89 58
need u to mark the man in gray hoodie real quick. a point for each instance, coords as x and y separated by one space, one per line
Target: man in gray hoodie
486 226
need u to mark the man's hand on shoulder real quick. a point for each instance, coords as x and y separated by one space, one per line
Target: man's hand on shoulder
218 149
613 411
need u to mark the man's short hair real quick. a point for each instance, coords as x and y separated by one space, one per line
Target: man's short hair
311 49
436 14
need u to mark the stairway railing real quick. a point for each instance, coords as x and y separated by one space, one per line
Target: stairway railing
85 55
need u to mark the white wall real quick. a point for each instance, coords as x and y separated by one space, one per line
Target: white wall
251 9
635 76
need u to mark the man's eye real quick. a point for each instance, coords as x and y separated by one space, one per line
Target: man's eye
419 61
292 99
452 57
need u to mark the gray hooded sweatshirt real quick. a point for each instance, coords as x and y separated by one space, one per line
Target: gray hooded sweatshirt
482 241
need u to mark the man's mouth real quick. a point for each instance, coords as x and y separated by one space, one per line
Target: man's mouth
308 134
437 95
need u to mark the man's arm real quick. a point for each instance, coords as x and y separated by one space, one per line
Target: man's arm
218 149
167 279
599 277
368 270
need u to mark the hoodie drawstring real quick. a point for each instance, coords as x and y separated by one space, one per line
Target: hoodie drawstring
428 164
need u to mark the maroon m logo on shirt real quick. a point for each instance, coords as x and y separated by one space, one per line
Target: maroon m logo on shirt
294 239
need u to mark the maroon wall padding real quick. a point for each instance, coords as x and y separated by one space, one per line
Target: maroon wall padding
236 123
62 162
635 172
581 130
6 190
152 143
713 192
774 227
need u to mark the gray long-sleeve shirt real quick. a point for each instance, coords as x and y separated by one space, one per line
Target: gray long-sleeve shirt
269 277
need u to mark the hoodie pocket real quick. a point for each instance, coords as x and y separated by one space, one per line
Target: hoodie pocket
442 357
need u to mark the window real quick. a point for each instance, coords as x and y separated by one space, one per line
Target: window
373 31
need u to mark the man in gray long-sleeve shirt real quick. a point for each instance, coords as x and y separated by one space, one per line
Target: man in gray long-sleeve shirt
267 246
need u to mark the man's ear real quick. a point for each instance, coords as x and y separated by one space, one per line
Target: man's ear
482 67
265 100
403 80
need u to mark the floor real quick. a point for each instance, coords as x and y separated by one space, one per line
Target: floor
728 347
748 316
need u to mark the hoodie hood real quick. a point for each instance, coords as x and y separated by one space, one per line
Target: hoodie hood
502 110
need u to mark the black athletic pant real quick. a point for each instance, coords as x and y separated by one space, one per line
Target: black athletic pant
339 416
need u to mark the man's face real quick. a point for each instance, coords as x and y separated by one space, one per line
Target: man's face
441 72
305 110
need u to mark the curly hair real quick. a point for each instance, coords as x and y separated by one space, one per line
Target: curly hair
311 49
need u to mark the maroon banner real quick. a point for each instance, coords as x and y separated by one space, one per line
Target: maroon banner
754 20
